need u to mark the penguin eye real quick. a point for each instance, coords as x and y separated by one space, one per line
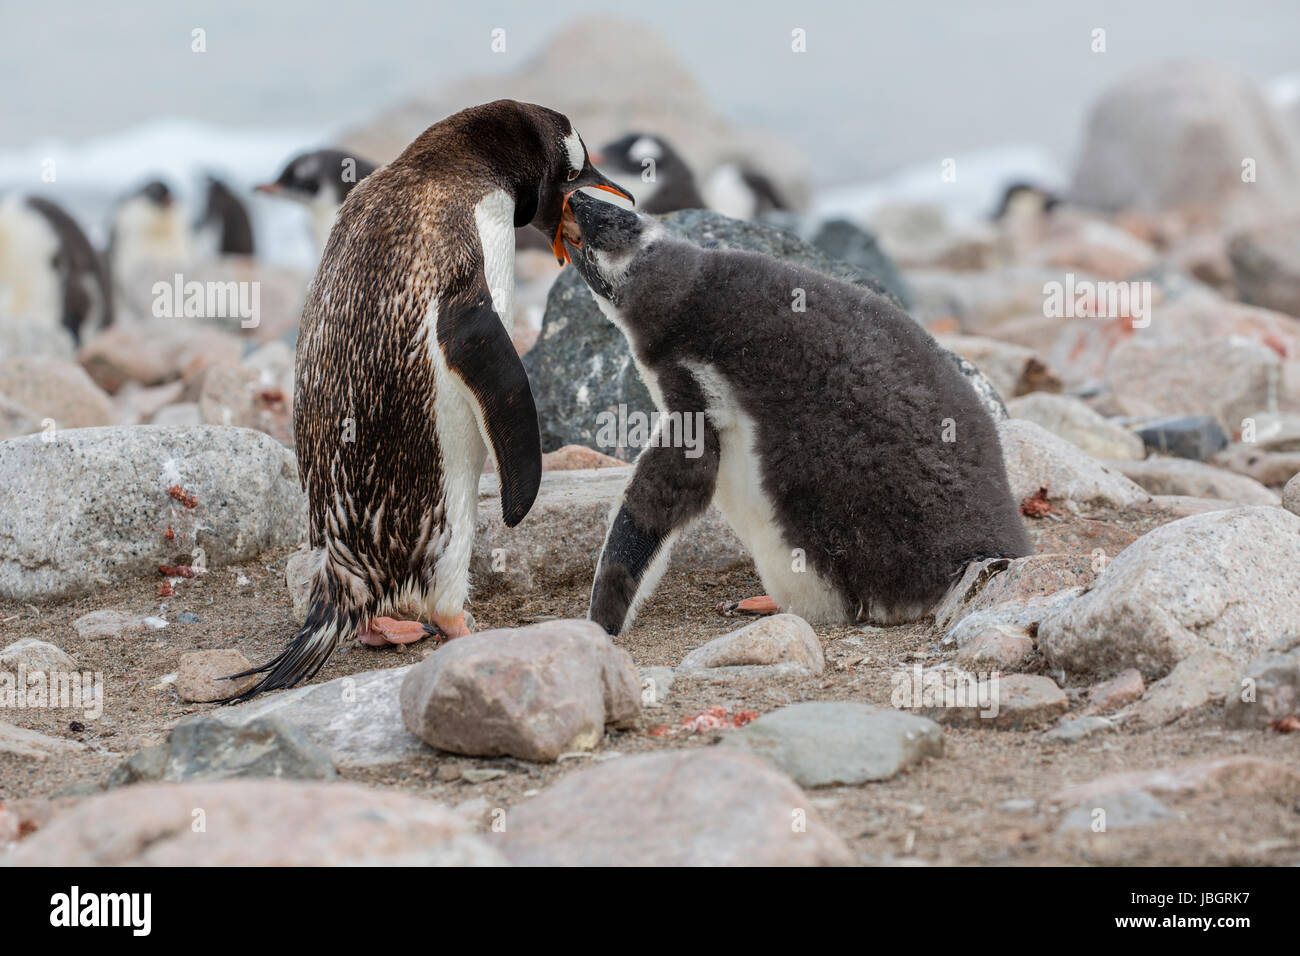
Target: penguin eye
573 174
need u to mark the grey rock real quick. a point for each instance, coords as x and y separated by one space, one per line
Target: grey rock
846 242
1200 680
481 775
1231 378
664 810
1035 458
833 743
357 719
1118 811
1225 580
532 692
21 742
1269 690
204 749
778 639
20 338
36 656
16 419
1266 267
1020 702
110 622
1003 647
1185 436
1072 731
1291 496
1180 476
1078 424
558 543
1033 578
93 505
256 823
1009 618
57 390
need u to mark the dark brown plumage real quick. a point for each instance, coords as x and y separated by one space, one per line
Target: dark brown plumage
404 367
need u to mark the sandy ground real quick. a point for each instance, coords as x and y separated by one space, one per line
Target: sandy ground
945 812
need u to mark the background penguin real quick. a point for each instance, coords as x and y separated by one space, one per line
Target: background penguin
1021 199
741 192
49 271
149 239
630 159
321 180
405 372
225 221
823 438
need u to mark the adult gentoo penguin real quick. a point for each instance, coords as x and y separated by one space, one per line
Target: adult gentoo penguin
320 179
49 271
664 181
405 372
840 442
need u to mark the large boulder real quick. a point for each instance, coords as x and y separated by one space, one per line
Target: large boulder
255 823
1224 581
711 807
94 505
1175 134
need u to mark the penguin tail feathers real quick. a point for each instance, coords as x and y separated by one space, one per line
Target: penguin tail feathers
305 655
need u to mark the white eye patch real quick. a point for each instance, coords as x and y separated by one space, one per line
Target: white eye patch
647 147
577 154
307 168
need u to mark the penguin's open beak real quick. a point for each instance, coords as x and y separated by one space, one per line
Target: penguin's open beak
589 178
268 188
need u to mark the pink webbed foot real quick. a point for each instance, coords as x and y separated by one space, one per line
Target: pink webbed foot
755 605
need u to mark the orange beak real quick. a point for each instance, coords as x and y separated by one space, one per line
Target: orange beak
557 244
270 188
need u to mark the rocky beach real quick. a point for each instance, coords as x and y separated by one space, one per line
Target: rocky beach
1127 694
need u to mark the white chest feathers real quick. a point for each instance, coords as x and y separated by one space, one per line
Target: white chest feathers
782 564
494 218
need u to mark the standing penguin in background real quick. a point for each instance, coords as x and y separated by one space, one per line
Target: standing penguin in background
854 461
665 182
49 271
320 180
226 220
406 374
149 228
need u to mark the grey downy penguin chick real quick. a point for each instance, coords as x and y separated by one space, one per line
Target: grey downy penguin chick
843 445
406 374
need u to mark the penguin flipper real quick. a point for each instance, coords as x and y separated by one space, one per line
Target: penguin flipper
670 487
478 349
